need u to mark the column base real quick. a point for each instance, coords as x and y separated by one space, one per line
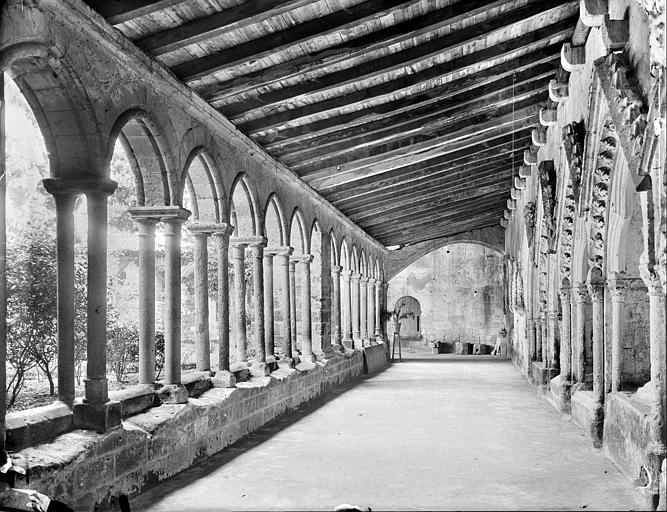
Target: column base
241 371
259 369
223 379
99 417
565 396
172 394
307 358
286 362
597 425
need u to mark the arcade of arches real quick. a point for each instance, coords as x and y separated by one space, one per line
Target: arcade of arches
298 179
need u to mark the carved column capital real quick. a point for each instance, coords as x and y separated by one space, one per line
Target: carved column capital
580 293
596 291
652 280
617 283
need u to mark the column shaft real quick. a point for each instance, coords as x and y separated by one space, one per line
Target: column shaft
202 337
378 309
545 341
282 264
96 381
172 299
565 336
306 334
617 285
596 291
335 307
371 308
257 255
581 296
346 307
354 304
292 303
146 300
222 239
363 308
269 345
238 262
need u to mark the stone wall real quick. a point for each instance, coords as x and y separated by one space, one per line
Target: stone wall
87 470
460 290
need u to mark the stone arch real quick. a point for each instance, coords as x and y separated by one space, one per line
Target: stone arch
354 259
316 283
298 239
243 208
201 181
68 125
410 324
335 258
344 255
363 266
145 148
274 222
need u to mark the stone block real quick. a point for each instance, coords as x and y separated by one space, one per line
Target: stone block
97 417
196 383
374 359
583 406
172 394
37 425
134 399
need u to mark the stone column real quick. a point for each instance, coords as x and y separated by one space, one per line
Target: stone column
223 377
237 255
282 259
65 201
201 233
378 309
371 308
545 340
146 234
173 390
346 308
292 302
595 285
269 345
385 306
335 309
259 367
354 305
656 291
537 326
552 330
565 346
580 300
363 309
306 327
618 286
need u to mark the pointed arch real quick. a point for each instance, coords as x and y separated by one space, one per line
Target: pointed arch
335 259
274 222
298 238
354 259
345 259
201 181
363 265
243 208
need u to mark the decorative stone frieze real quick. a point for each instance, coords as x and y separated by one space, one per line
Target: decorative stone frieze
574 135
529 220
547 174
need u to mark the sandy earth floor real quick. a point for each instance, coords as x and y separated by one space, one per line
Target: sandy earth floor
429 433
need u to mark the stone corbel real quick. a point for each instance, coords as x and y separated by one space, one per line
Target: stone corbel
507 215
593 12
515 194
530 156
503 223
558 91
615 34
525 171
572 58
511 204
519 183
548 116
539 136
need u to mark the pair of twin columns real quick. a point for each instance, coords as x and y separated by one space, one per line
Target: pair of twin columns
356 307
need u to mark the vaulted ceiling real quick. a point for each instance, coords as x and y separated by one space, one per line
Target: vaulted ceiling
410 117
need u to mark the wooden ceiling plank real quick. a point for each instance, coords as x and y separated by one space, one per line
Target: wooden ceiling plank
330 177
120 11
397 199
216 24
450 229
493 210
541 60
437 198
455 207
387 91
480 97
478 154
222 93
424 129
338 21
396 63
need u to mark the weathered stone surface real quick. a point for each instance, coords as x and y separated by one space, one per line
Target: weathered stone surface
375 358
37 425
134 399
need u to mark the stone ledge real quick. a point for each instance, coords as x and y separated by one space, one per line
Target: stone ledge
582 406
89 470
134 399
37 425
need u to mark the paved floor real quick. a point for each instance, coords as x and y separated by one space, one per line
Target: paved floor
430 433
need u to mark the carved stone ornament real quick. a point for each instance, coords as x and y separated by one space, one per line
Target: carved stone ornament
529 220
574 135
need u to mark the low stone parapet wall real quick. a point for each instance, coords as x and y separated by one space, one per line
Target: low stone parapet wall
89 470
375 358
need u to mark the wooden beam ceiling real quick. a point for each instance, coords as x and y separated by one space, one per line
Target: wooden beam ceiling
409 116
